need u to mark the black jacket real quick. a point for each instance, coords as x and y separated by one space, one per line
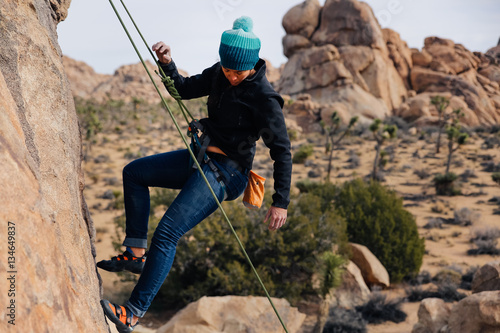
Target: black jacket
238 116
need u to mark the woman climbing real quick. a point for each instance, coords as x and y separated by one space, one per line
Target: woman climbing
242 107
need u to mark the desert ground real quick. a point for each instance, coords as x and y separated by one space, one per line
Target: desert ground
412 151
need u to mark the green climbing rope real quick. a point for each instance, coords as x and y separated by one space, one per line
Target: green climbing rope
173 92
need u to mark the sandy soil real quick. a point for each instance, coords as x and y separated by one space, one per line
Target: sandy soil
447 246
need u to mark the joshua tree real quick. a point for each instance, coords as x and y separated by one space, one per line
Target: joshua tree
332 140
381 134
441 104
331 277
445 183
455 137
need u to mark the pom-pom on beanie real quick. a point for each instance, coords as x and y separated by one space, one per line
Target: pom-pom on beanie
239 47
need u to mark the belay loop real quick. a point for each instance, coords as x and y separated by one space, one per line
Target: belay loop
185 111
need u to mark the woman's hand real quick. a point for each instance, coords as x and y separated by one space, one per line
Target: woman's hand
278 217
162 52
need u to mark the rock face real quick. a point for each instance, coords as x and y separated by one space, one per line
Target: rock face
446 68
372 270
42 180
433 315
235 314
346 61
348 54
487 278
476 313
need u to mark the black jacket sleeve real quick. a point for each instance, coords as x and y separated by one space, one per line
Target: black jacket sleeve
272 129
190 87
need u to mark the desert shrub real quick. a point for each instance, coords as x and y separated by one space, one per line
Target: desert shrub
354 161
488 246
210 262
422 173
378 309
445 184
434 223
465 217
421 278
447 276
303 153
496 177
484 234
342 320
448 292
377 219
466 282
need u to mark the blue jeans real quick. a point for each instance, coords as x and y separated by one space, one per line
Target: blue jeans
191 206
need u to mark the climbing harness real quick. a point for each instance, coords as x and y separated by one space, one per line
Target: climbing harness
169 84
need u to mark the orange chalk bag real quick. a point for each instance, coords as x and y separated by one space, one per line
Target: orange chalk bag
254 192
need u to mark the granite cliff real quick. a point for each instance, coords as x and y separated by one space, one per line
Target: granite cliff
55 284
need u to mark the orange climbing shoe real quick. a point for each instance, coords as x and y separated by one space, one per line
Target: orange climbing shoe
119 315
123 262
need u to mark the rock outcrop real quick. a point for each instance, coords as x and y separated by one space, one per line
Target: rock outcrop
346 59
235 314
433 315
476 313
371 268
448 69
487 278
55 279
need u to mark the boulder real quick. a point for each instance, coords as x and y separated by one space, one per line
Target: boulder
487 278
450 57
42 180
305 112
235 314
349 22
302 19
420 58
465 84
293 43
433 315
494 53
419 107
374 273
353 291
476 313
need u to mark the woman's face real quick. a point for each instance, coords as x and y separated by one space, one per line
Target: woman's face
236 77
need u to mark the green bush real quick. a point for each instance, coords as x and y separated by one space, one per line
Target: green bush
496 177
445 184
210 262
376 218
303 153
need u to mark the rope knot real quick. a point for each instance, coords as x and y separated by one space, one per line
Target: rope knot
169 84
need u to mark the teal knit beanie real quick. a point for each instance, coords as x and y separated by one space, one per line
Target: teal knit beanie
239 47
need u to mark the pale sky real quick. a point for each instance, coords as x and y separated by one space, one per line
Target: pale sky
93 34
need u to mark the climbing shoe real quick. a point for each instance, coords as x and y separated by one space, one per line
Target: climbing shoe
123 262
119 315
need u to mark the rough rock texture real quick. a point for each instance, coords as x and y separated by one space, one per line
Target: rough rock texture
372 270
433 315
303 19
235 314
347 61
353 291
476 313
41 179
487 278
348 50
446 68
